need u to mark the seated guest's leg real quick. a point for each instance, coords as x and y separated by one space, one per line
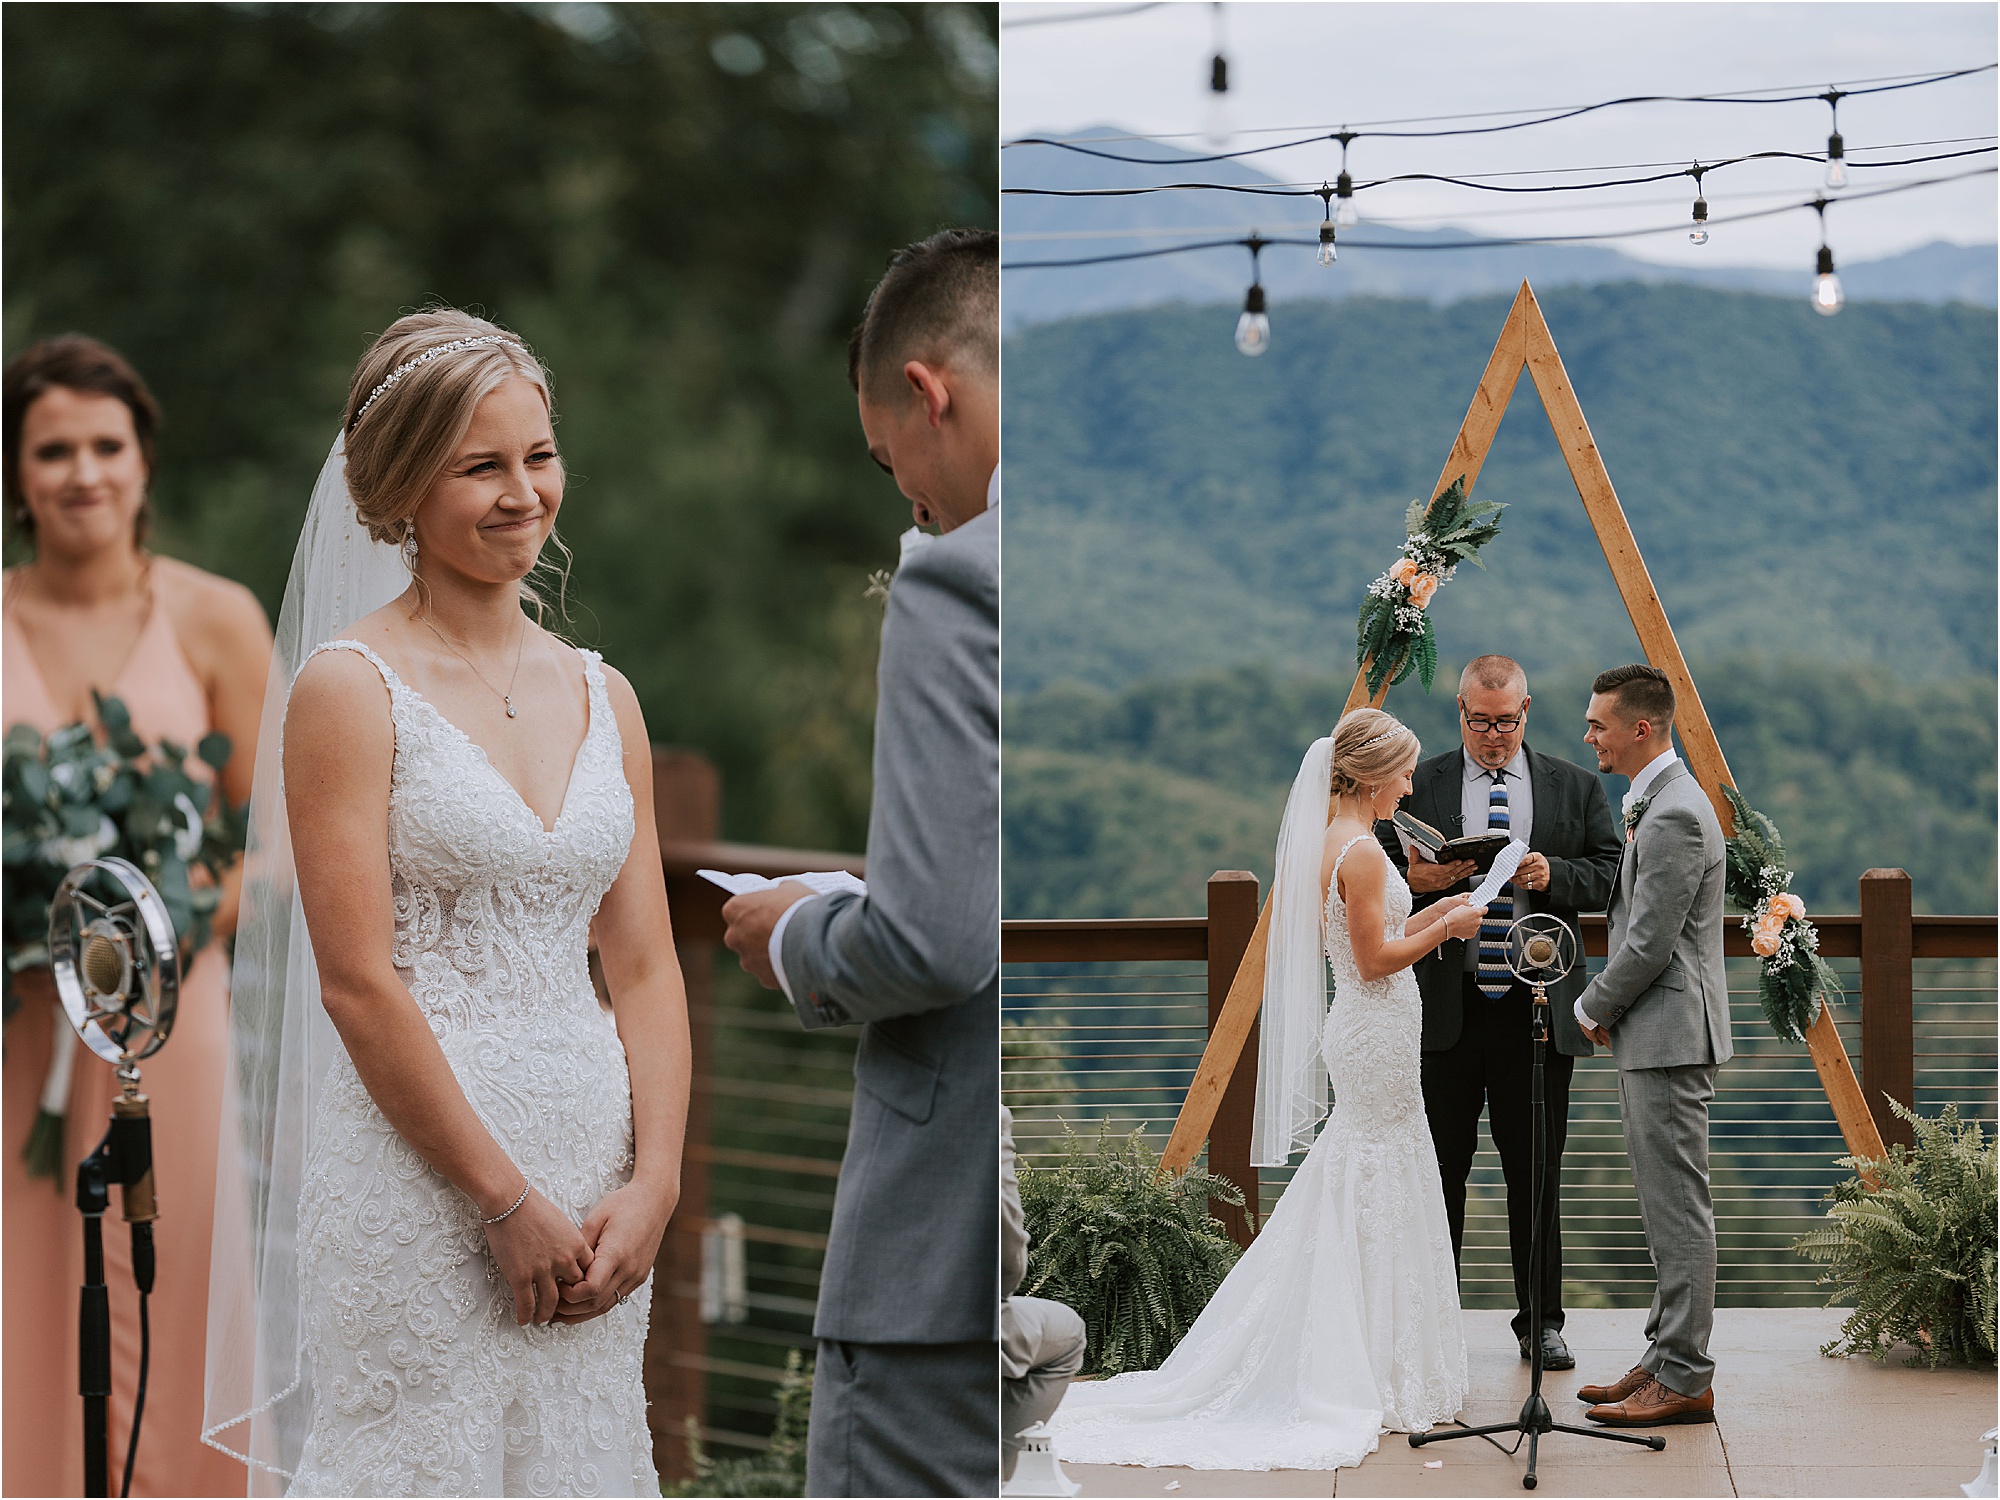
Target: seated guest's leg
1041 1348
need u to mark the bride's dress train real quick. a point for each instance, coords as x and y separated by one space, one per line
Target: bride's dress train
1342 1317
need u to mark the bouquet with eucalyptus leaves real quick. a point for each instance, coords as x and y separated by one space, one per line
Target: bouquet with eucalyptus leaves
1394 636
1793 981
79 795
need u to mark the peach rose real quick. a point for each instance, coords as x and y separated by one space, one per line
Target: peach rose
1403 571
1765 943
1421 588
1786 905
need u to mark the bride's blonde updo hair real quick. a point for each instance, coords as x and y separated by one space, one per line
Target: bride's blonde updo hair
411 401
1369 747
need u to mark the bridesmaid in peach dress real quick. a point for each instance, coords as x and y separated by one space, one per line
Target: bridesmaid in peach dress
188 652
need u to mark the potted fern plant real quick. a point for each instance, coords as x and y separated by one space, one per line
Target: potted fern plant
1134 1252
1915 1253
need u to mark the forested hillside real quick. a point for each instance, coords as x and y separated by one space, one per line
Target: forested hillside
1818 487
681 207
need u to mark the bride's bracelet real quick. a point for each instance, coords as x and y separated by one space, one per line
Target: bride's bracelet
517 1203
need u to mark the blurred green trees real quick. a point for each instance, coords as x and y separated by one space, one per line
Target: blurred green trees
682 207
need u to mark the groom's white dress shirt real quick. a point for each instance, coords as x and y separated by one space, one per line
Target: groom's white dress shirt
1648 774
911 541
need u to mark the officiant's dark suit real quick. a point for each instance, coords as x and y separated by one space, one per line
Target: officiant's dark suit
1476 1049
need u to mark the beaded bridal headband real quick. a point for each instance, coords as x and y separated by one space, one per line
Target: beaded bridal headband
425 358
1396 733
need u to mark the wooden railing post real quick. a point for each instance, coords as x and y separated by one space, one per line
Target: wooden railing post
1888 1042
687 807
1232 917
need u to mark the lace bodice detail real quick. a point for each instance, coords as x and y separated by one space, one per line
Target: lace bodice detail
422 1381
1371 1040
492 909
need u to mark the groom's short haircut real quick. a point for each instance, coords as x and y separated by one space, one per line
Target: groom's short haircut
938 302
1494 673
1641 692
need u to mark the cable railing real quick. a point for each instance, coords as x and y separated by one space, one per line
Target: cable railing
1114 1044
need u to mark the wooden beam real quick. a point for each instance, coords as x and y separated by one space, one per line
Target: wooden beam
1628 568
1232 918
1888 1056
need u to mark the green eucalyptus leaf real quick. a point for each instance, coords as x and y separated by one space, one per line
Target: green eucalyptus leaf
214 750
111 712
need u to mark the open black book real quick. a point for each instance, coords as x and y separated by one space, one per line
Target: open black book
1481 848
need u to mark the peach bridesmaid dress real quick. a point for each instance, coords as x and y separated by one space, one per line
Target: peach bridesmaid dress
41 1447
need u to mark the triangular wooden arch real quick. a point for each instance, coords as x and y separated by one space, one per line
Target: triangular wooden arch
1525 342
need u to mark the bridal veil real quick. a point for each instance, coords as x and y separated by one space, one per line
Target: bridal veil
255 1404
1291 1073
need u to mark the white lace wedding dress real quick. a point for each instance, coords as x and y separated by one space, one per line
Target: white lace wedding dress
422 1382
1342 1317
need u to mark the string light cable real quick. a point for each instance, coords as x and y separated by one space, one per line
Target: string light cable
1474 181
1483 243
1477 114
1831 95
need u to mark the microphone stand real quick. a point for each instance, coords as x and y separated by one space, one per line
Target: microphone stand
124 1156
1534 1418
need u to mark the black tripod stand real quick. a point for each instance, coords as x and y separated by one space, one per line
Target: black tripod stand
124 1156
1544 962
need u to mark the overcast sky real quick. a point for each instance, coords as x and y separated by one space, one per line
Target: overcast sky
1308 65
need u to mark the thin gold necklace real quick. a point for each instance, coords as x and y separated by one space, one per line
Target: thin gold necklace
507 697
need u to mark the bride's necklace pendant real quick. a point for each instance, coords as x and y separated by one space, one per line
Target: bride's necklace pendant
504 698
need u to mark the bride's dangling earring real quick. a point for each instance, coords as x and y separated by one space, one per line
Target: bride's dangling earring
410 545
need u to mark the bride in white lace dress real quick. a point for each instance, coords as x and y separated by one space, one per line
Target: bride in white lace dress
453 1298
1342 1317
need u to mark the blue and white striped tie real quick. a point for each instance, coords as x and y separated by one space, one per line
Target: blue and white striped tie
1494 975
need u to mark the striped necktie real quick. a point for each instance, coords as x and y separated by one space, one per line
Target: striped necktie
1494 976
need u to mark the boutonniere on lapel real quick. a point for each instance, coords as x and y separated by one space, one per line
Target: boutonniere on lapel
1632 816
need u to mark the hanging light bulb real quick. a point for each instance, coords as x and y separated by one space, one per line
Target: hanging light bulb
1699 234
1253 329
1827 297
1836 153
1328 252
1218 88
1343 188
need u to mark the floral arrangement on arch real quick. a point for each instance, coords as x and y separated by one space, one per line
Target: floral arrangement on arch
1394 635
1793 981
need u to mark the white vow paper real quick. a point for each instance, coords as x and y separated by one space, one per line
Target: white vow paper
1505 863
819 882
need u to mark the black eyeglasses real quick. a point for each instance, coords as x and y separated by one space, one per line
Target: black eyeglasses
1481 725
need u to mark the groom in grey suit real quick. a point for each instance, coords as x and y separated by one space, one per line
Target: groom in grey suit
906 1386
1662 1005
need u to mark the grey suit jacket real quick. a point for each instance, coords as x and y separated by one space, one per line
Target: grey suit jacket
913 1252
1663 994
1573 827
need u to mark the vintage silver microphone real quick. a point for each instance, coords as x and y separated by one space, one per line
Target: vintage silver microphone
117 970
1541 950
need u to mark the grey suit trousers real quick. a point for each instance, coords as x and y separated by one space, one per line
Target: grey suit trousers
904 1419
1665 1111
1041 1348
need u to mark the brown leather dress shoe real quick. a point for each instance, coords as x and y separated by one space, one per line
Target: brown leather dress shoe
1653 1405
1628 1384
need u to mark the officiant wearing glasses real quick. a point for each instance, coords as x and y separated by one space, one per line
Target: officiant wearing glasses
1476 1041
